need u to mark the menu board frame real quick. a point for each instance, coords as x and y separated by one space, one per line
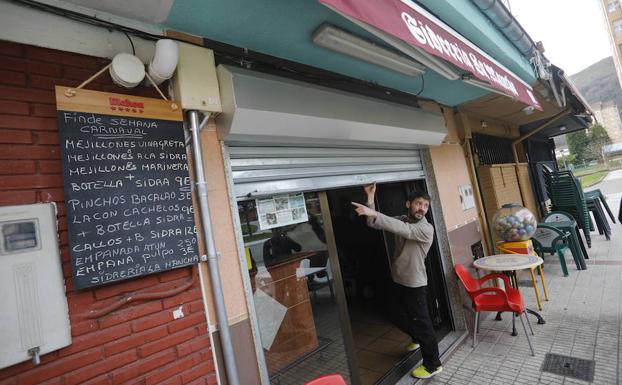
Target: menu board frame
120 150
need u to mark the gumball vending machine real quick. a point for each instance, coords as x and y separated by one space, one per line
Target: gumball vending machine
515 225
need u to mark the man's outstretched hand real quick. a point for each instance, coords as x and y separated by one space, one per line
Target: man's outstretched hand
370 190
364 210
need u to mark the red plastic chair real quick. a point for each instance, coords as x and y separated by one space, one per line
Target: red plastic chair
493 298
331 379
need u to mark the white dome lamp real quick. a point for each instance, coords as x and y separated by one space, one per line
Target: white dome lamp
127 70
164 61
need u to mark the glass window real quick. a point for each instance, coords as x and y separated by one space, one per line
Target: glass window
617 28
19 236
293 287
613 5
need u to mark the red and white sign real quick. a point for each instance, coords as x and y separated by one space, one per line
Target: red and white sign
125 104
414 25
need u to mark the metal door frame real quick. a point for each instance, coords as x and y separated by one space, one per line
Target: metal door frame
334 261
342 301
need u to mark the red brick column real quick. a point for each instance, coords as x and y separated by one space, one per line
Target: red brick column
139 343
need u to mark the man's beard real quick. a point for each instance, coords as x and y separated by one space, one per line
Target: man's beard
414 219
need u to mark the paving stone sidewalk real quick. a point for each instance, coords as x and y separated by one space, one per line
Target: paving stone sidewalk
582 321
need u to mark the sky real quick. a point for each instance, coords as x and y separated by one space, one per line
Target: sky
573 31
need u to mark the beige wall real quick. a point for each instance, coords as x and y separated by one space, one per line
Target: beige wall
489 126
450 169
223 229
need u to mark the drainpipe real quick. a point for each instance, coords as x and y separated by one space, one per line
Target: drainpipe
499 15
212 254
503 19
559 101
565 82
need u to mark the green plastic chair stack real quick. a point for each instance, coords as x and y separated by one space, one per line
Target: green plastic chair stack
566 195
597 194
597 204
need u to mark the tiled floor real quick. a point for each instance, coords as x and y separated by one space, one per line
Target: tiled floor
331 358
379 345
582 320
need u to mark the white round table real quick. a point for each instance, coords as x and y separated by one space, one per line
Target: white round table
513 263
507 262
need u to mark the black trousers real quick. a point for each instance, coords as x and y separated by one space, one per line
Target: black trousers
413 318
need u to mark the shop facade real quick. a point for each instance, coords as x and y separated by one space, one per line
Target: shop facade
146 333
305 282
326 278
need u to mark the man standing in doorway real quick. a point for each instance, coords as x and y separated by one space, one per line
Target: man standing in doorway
413 238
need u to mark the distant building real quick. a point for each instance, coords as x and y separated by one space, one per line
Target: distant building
612 149
561 147
608 115
613 19
562 152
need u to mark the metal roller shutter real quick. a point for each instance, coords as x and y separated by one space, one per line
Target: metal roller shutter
267 170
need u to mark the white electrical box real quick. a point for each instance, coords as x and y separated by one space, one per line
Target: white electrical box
195 84
466 197
35 316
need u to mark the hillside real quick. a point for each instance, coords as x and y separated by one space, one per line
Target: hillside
599 82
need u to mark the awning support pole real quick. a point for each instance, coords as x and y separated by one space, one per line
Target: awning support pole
212 255
536 130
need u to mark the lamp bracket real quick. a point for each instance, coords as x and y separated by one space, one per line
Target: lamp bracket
71 92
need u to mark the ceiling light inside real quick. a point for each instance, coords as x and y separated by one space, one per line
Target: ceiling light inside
469 79
437 65
429 61
337 40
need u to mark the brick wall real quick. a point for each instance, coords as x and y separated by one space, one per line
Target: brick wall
139 343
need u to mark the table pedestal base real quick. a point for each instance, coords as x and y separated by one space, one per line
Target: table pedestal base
541 321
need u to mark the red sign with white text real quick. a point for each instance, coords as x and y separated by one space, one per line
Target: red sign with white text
414 25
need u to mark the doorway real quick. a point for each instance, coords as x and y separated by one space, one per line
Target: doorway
364 260
322 287
293 289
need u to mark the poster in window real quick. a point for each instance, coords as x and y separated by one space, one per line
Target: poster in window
281 210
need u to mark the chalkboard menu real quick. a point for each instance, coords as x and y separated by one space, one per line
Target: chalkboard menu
127 187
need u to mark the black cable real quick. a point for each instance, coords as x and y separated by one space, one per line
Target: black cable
422 86
88 19
131 42
232 54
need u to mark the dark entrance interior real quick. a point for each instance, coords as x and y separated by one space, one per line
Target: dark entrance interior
365 268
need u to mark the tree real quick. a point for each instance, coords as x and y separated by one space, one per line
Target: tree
565 160
577 144
597 139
